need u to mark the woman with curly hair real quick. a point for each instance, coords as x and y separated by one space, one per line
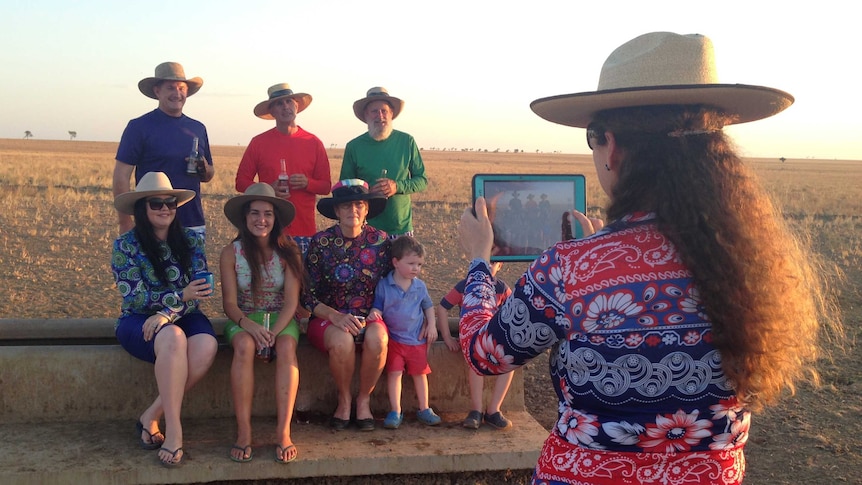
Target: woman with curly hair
693 307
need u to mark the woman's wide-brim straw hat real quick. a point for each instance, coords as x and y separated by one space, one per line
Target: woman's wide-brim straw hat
663 68
280 91
152 183
169 71
377 93
351 190
233 208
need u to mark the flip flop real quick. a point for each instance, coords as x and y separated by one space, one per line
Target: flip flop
174 463
153 444
247 450
283 452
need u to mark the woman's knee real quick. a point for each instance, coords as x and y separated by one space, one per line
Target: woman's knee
244 346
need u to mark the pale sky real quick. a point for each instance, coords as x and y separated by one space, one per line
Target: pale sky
467 70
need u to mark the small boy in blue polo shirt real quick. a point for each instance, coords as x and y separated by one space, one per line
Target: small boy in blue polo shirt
402 301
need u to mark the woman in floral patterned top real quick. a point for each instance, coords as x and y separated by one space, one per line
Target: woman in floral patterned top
160 322
668 326
261 274
344 264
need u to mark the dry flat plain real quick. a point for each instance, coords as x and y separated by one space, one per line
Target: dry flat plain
57 223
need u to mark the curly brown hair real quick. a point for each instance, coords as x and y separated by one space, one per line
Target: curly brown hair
756 278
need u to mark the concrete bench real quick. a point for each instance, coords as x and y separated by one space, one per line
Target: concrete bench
70 395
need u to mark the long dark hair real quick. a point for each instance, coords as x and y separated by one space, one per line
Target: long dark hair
177 242
283 245
755 278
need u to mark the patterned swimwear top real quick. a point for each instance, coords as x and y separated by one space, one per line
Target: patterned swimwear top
632 359
271 297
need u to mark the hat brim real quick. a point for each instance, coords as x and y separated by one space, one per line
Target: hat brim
745 102
146 85
284 209
125 203
359 106
261 110
376 205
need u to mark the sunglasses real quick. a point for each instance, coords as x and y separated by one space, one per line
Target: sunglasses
597 133
157 204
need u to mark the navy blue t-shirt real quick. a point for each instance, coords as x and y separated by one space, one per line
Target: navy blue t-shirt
158 142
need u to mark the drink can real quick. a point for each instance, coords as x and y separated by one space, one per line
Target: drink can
207 276
360 337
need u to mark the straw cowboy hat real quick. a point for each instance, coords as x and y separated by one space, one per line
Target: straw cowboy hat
169 71
377 93
284 210
152 183
662 68
280 91
350 190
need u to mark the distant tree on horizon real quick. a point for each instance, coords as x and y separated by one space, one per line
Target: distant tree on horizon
28 135
72 135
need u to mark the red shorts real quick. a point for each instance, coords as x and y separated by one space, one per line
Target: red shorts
317 328
412 358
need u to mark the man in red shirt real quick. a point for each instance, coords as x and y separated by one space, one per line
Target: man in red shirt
306 163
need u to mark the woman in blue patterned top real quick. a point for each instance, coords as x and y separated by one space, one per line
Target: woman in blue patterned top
344 264
160 321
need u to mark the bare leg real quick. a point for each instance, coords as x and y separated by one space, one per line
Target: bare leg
286 386
476 383
342 363
501 387
393 386
200 353
371 367
242 390
171 368
420 382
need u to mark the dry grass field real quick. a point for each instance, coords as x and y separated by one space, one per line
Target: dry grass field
57 223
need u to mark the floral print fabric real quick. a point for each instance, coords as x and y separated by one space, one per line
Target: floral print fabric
271 297
136 279
344 272
632 360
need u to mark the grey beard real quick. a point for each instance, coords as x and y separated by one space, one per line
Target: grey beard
380 133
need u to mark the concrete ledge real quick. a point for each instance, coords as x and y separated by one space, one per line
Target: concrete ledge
68 413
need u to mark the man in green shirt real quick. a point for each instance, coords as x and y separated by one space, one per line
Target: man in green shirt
387 159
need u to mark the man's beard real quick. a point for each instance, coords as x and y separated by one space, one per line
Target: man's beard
379 131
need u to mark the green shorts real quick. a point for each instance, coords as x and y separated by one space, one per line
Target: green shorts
231 328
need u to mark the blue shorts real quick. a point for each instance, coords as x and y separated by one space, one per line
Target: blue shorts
130 332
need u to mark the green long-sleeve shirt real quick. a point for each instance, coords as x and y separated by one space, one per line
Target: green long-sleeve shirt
365 157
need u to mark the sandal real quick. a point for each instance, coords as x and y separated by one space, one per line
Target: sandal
393 420
247 453
282 452
428 417
155 439
173 463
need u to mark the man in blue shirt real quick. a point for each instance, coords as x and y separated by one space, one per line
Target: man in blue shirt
161 141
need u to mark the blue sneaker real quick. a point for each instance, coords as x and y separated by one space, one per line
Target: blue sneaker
393 420
428 417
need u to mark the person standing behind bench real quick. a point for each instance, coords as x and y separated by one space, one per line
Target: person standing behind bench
305 159
261 272
161 141
153 265
384 148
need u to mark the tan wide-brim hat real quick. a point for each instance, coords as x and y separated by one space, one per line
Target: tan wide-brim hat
152 183
350 190
662 68
169 71
279 91
377 93
284 210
